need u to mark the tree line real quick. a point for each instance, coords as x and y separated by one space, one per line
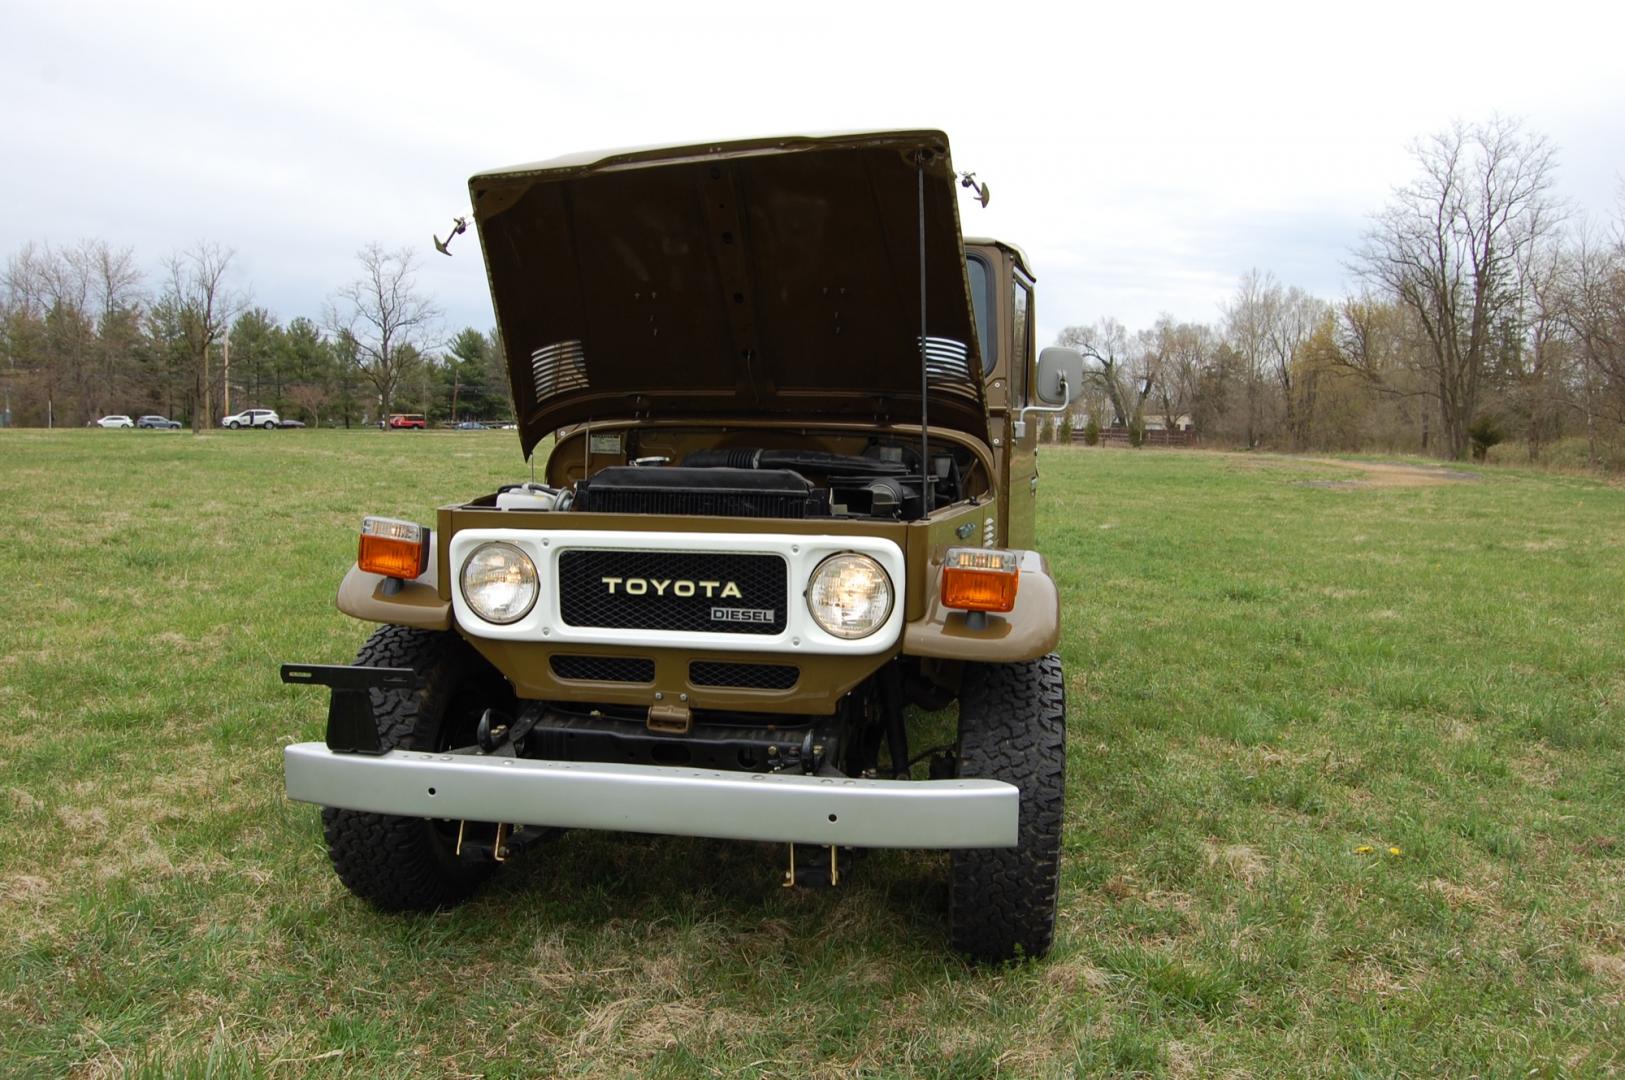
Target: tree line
84 332
1485 312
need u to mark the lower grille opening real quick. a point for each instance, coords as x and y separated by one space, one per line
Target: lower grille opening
743 676
627 669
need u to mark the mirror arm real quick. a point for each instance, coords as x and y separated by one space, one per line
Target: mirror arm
1021 414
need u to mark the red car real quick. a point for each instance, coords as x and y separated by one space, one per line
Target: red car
406 420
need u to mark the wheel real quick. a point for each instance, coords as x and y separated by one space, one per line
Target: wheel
1012 727
403 863
269 425
233 425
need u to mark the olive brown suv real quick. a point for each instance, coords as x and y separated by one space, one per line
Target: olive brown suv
786 516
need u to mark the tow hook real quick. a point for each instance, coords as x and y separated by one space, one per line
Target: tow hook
499 843
670 719
497 734
816 873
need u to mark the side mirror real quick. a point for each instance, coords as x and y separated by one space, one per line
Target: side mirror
1060 376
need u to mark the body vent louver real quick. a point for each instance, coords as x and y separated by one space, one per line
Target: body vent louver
946 359
557 368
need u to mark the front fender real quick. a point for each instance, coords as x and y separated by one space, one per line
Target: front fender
1031 630
375 598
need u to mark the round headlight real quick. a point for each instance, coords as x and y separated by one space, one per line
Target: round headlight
499 583
850 595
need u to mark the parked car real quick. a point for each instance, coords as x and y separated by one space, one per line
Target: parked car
290 423
405 421
115 422
260 418
469 425
158 423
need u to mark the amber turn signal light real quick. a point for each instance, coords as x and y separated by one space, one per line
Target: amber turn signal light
397 549
977 579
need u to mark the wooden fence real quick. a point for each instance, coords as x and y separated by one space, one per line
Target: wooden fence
1119 437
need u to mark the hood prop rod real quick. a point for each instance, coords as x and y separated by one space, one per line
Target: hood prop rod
925 436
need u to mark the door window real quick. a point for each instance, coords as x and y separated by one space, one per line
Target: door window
1021 303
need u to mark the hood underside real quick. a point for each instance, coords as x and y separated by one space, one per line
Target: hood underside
768 278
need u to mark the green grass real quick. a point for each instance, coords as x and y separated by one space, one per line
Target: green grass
1270 669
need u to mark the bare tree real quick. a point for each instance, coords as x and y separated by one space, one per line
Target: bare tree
1453 247
1107 343
311 398
385 316
29 300
1371 337
200 307
113 291
1293 317
1538 362
77 310
1247 322
1182 352
1593 310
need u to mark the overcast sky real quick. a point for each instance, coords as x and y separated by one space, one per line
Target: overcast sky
1144 155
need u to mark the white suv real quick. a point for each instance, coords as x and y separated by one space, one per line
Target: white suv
264 418
115 421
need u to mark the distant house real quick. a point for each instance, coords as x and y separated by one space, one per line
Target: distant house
1160 423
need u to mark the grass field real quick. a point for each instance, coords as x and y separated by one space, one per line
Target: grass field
1346 797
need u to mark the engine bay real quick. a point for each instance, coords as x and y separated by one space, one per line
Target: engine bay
712 474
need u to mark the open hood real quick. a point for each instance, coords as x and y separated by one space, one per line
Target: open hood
765 278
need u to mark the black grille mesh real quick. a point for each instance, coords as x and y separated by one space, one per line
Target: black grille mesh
585 598
628 669
743 676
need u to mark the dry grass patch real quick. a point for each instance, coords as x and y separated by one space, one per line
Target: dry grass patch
1240 861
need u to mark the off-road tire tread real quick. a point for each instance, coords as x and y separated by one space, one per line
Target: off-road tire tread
402 863
1012 727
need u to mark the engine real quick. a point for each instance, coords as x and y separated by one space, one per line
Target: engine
754 483
883 483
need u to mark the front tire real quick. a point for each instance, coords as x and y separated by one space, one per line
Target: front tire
1012 727
404 863
234 425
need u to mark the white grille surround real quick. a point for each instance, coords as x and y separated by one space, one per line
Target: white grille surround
802 555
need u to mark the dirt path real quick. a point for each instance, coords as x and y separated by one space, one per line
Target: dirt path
1384 474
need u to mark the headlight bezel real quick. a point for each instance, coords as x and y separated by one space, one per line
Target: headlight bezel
833 629
480 610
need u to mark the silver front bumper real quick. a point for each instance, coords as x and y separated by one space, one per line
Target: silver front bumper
660 799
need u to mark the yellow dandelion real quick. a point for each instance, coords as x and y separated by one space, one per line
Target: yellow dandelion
1364 849
1395 851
